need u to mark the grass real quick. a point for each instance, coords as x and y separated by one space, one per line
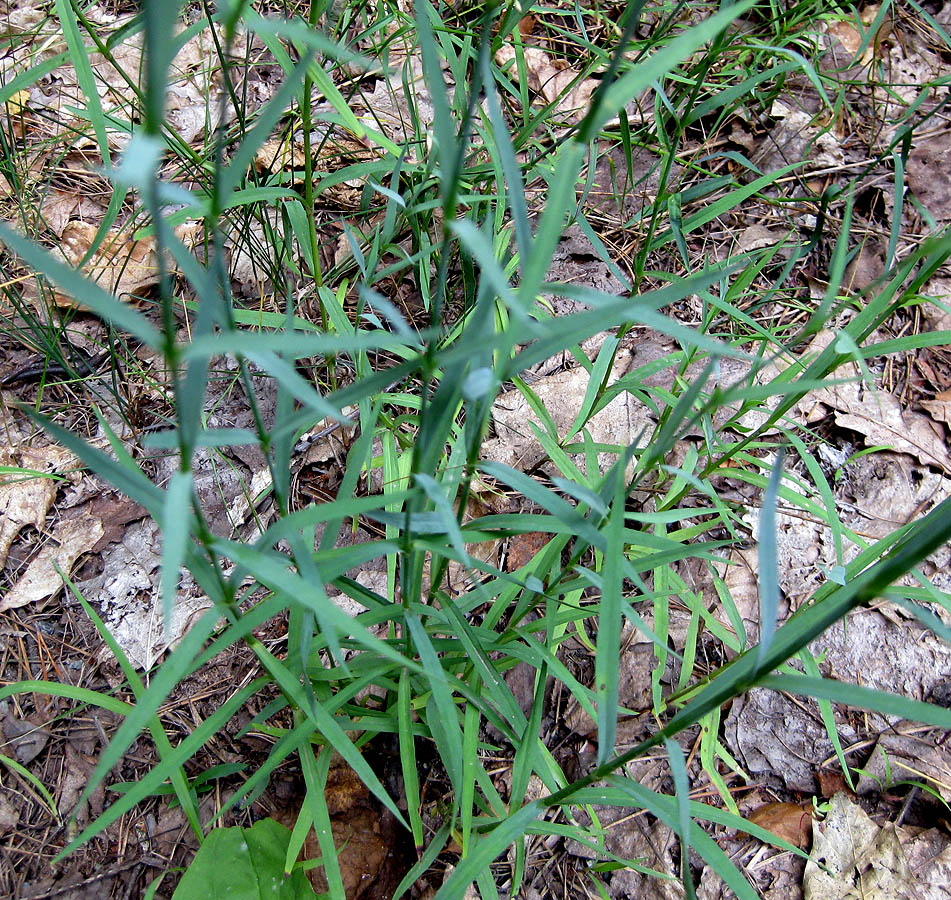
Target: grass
397 295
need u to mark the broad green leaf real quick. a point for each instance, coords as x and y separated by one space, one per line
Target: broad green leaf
244 864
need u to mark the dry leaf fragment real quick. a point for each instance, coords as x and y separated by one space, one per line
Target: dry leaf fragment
854 859
907 757
847 35
25 498
524 547
929 173
120 265
364 833
22 738
41 581
790 821
940 407
880 417
278 155
557 85
623 421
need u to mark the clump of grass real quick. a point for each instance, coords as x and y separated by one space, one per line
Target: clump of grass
451 213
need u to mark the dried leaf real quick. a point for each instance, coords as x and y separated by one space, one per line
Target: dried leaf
790 821
557 85
524 547
847 35
9 814
880 418
624 420
854 859
771 736
120 265
23 739
24 498
41 581
278 155
929 173
908 757
61 207
831 782
363 833
940 407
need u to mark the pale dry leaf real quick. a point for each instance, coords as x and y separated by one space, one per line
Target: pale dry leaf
839 842
905 755
861 861
25 498
876 414
880 418
193 96
756 237
389 108
557 84
940 407
622 422
121 265
798 135
773 737
41 581
937 317
127 593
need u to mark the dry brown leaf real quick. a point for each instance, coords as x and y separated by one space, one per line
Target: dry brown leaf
862 861
120 264
278 155
831 782
61 207
25 499
908 757
524 547
363 832
880 418
790 821
69 540
940 407
929 173
757 236
557 84
847 35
